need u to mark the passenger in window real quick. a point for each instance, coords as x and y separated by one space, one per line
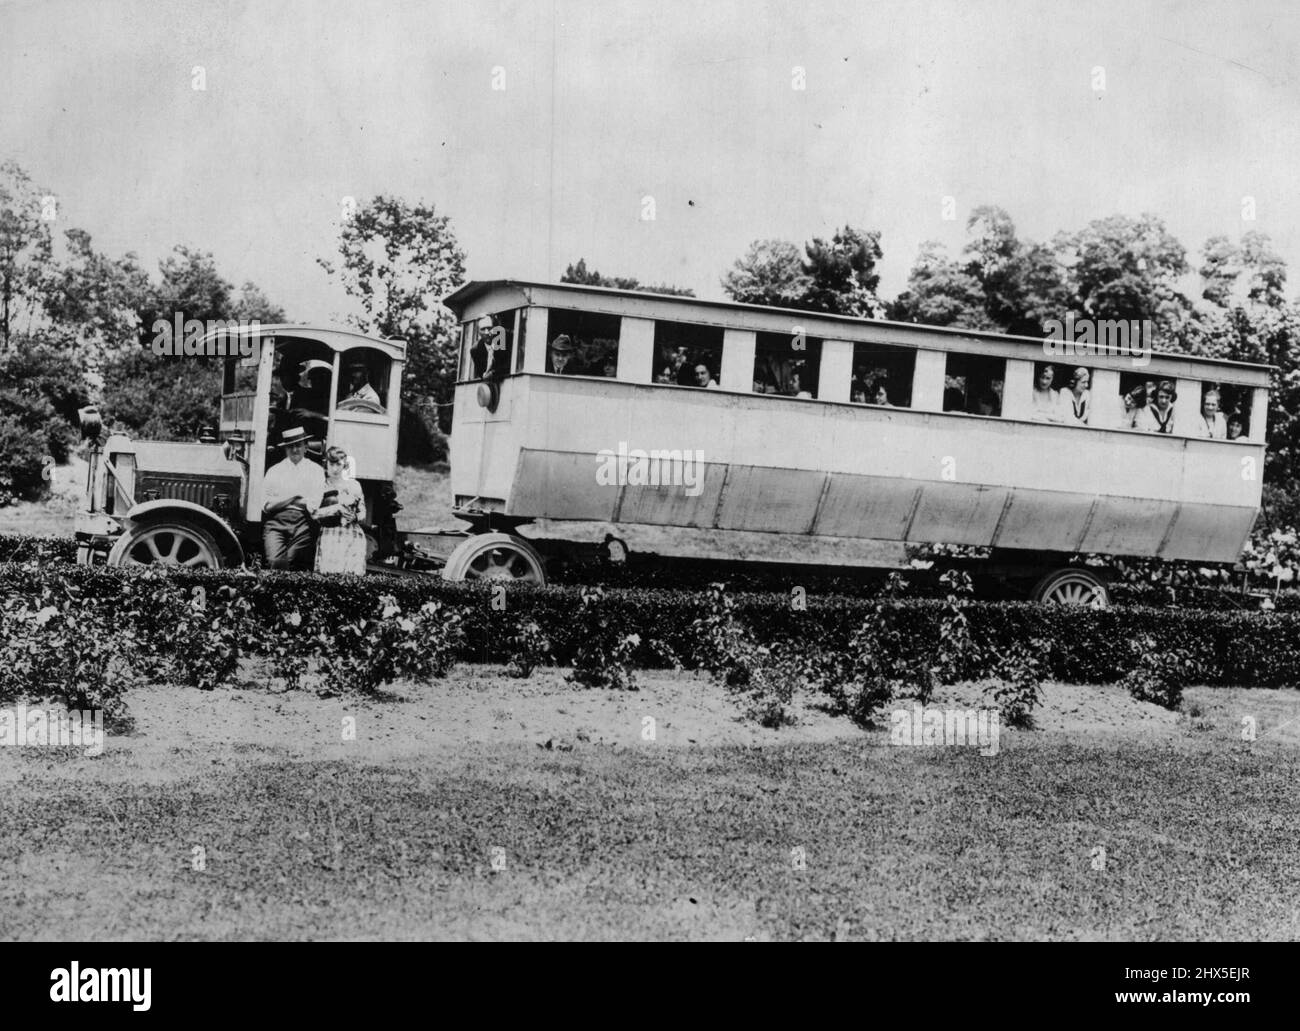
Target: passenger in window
358 385
1078 397
562 356
1047 400
954 400
703 377
677 369
1159 417
1212 425
881 396
1236 426
987 404
858 395
860 383
1136 401
610 369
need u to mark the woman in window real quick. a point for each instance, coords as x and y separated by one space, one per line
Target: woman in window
1047 401
1212 423
1078 398
1159 416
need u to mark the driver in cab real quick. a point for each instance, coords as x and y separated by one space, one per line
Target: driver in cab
358 383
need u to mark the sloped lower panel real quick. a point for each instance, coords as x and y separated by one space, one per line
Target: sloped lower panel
1043 520
1128 526
957 513
676 504
867 506
561 485
1208 533
776 500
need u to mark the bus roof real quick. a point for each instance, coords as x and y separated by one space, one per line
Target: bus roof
337 338
814 323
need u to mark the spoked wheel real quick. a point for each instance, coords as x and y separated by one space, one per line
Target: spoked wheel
180 545
1073 587
495 556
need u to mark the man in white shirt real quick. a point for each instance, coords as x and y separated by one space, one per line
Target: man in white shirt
291 488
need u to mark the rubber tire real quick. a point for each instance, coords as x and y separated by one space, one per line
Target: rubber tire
477 551
118 555
1073 581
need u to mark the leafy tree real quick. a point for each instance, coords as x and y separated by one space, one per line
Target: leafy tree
941 292
1220 270
399 260
51 375
771 272
1024 283
175 398
1263 334
1124 268
843 273
95 299
1266 270
25 250
579 274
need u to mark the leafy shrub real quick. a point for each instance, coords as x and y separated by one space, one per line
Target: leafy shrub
45 550
1161 672
604 658
957 651
291 646
1016 688
210 637
762 683
23 450
529 648
393 645
59 644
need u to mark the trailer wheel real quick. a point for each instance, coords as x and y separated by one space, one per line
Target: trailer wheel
176 544
495 556
1074 586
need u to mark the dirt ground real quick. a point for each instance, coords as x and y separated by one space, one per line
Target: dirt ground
179 730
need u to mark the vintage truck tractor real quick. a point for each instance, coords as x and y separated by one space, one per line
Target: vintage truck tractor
199 504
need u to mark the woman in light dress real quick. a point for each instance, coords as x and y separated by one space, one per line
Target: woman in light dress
342 544
1047 401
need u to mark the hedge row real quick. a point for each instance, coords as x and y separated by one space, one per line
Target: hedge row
21 548
1079 645
15 547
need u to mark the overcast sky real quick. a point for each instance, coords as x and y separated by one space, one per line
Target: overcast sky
691 103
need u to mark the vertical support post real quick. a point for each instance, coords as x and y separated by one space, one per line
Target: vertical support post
1018 390
1258 415
737 371
836 375
538 340
636 350
927 381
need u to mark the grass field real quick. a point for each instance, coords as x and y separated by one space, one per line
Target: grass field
605 835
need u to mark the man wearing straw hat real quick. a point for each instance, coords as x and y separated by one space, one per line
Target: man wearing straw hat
292 488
